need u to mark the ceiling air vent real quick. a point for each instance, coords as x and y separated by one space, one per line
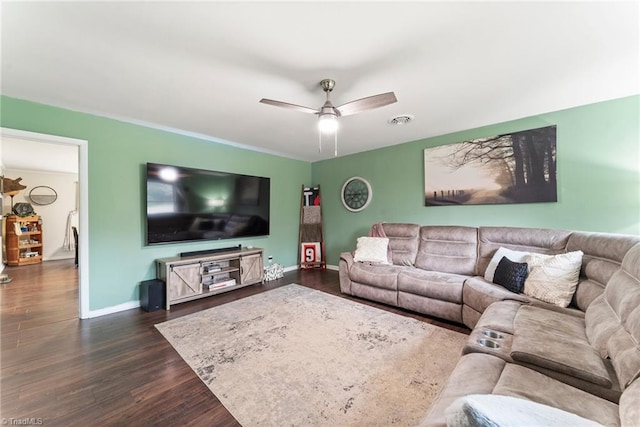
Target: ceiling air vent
401 120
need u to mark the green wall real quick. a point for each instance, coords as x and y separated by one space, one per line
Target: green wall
598 170
118 258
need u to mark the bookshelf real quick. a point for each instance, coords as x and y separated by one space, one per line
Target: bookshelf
23 240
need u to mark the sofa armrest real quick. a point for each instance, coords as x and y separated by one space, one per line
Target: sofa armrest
345 263
347 257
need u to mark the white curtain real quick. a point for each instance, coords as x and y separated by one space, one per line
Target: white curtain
69 242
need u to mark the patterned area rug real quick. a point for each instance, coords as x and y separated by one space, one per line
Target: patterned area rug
294 356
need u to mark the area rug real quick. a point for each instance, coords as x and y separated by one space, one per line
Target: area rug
294 356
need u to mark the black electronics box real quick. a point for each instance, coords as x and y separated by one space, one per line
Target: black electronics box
152 295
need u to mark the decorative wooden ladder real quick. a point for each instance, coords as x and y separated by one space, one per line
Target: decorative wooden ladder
311 252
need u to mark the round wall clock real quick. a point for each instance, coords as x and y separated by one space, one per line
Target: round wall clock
356 194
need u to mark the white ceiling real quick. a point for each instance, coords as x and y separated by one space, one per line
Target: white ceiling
28 155
201 67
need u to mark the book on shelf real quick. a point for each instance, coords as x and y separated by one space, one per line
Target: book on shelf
211 268
220 284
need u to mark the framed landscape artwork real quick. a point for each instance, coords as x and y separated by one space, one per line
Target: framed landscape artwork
518 167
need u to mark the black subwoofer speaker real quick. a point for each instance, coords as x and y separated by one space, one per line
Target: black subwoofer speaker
152 295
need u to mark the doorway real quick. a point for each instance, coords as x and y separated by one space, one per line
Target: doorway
83 199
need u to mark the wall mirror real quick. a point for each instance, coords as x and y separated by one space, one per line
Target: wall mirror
42 195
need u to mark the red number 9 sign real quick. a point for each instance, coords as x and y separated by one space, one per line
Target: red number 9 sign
310 252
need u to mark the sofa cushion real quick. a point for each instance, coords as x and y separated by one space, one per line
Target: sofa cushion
603 254
538 240
525 383
385 296
516 256
600 324
432 284
499 317
371 249
448 249
376 275
403 242
623 295
557 341
625 356
465 380
613 320
480 294
478 373
630 405
506 411
553 278
511 274
430 306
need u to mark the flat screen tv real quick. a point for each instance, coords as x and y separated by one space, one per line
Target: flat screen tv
186 204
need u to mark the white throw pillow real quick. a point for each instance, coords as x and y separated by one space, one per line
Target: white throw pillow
553 278
371 249
507 411
514 256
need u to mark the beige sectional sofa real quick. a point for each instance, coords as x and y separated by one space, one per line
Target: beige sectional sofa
583 359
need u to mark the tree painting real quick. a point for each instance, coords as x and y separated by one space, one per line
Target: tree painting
519 167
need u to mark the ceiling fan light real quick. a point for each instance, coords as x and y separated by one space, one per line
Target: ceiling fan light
328 123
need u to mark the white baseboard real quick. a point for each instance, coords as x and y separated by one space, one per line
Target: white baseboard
58 258
136 304
115 309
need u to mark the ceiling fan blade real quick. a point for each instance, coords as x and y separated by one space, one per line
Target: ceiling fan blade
289 106
367 103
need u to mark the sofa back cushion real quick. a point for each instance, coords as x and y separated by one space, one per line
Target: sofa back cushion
613 319
448 249
403 242
539 240
630 405
603 254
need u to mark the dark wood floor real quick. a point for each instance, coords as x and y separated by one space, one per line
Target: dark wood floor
115 369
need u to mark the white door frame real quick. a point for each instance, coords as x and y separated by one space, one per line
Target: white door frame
83 220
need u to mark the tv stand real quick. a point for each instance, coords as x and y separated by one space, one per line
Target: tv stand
205 273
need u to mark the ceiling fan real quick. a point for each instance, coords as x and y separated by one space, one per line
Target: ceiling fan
328 114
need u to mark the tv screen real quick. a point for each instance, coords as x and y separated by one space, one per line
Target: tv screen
185 204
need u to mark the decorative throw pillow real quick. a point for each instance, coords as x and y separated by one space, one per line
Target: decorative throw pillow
515 256
553 278
507 411
371 249
511 274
